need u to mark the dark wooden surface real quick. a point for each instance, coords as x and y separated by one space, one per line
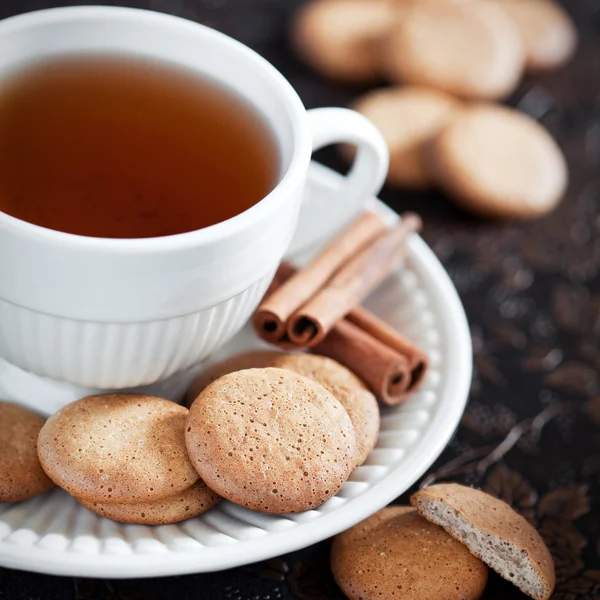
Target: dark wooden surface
532 294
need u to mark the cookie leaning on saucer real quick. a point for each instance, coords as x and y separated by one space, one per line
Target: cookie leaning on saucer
498 162
271 440
492 531
341 38
470 50
397 554
407 117
21 475
359 402
192 502
125 448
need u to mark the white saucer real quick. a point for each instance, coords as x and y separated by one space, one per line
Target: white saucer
53 534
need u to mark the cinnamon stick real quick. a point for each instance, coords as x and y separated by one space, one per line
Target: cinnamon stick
272 315
350 285
390 365
387 335
385 371
284 273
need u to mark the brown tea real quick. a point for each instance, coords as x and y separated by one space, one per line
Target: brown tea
128 148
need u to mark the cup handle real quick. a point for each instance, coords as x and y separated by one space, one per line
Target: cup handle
325 213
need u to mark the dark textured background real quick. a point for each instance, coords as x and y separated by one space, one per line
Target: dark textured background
532 294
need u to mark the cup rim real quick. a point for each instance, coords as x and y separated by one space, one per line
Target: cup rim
290 180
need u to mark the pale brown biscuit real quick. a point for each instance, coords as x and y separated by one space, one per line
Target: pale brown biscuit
341 38
359 402
498 162
470 50
549 35
398 554
125 448
249 360
407 117
21 475
492 531
271 440
190 503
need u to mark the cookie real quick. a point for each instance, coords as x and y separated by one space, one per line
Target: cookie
341 38
494 532
398 554
249 360
271 440
498 162
21 475
549 35
469 50
359 402
124 448
192 502
407 117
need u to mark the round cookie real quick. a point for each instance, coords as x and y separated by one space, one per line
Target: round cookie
470 50
187 504
498 162
359 402
407 117
271 440
398 554
341 38
21 475
549 35
125 448
494 532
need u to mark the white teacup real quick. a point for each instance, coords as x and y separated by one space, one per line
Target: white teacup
113 313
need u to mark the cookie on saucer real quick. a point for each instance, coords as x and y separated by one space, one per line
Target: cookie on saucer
271 440
397 554
192 502
359 402
492 531
21 475
123 448
258 359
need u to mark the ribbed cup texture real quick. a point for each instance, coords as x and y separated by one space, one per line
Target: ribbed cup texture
117 355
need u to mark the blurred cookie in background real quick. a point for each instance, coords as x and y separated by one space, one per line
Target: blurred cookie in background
341 38
549 35
472 50
498 162
407 117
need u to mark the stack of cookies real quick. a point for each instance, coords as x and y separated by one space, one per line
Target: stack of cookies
283 434
123 456
441 548
274 432
449 60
